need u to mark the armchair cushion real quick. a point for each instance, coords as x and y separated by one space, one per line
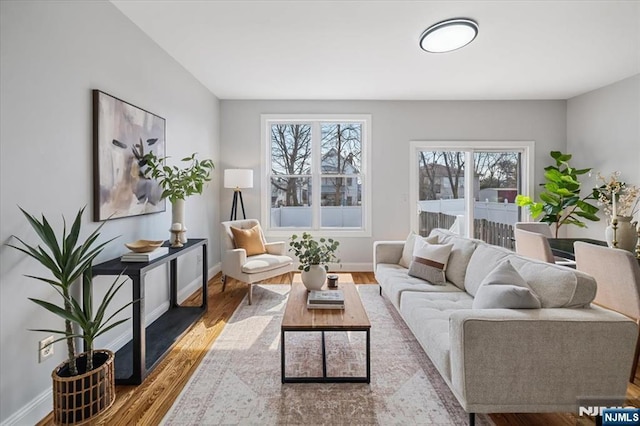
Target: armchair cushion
249 239
265 262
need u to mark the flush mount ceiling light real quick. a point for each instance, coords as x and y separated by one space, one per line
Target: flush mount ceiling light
448 35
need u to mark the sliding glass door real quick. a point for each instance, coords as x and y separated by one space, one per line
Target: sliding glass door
469 187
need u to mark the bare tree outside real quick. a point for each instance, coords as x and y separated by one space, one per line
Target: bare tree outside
290 163
341 152
496 169
442 172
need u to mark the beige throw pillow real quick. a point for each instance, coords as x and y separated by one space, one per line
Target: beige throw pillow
409 244
249 239
430 261
504 288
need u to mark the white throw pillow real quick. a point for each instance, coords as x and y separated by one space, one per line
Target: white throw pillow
430 261
504 288
407 250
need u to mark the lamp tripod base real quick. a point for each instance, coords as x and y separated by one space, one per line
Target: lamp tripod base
234 206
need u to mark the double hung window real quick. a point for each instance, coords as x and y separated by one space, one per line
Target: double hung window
316 174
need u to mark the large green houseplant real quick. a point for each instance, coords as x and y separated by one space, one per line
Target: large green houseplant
314 257
560 201
69 260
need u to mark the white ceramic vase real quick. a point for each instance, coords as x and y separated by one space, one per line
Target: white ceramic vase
626 234
314 278
177 216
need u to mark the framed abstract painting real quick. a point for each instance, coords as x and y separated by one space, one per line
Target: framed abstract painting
122 135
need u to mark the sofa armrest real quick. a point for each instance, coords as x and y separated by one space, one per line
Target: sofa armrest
387 252
277 247
509 360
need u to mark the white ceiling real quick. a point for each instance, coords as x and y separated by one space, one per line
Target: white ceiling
369 49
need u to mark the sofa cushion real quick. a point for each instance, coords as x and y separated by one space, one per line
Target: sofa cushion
460 255
394 280
409 244
556 286
430 261
484 258
427 315
504 288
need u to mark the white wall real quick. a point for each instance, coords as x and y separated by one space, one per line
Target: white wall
603 132
394 124
52 54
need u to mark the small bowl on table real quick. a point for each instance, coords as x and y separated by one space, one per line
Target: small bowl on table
144 246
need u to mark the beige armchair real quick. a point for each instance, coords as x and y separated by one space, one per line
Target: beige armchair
536 246
617 275
539 227
252 269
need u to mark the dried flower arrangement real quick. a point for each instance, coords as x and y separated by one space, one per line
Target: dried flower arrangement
626 195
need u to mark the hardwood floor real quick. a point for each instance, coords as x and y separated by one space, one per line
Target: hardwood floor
148 403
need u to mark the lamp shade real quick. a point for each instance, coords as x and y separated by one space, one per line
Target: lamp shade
238 178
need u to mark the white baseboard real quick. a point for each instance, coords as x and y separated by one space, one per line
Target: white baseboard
39 407
353 267
31 414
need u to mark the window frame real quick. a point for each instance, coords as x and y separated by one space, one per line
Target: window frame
267 120
469 147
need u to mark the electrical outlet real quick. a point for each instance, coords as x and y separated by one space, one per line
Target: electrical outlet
45 349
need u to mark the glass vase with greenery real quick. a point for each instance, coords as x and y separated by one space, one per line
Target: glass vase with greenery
311 252
560 201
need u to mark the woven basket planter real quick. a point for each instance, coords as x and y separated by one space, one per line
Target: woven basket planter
79 399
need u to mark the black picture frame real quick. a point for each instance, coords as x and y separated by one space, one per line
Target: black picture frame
122 134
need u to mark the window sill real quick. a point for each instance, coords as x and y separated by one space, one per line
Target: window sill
327 233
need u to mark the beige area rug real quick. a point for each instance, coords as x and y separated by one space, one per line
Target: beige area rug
238 381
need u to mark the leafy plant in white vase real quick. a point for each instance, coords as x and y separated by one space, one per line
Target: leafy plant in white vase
314 257
178 183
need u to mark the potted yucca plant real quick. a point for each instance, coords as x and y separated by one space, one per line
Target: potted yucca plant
83 385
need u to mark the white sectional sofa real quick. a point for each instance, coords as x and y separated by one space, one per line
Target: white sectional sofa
511 360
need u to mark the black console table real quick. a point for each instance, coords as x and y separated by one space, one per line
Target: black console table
135 360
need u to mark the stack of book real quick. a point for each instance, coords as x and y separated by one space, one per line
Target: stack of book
325 299
144 257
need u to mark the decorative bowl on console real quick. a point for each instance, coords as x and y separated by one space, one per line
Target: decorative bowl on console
144 246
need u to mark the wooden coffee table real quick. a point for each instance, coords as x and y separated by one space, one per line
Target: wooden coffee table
298 318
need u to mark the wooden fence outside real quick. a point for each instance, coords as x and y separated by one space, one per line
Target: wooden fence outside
499 234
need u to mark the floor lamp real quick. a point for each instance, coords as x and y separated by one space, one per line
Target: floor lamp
238 179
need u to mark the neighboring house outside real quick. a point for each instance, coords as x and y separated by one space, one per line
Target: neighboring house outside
344 191
441 188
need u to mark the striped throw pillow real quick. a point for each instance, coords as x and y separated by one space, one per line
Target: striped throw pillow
430 261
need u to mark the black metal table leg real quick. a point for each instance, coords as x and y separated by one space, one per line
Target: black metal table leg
205 276
173 283
139 332
324 358
282 355
368 357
